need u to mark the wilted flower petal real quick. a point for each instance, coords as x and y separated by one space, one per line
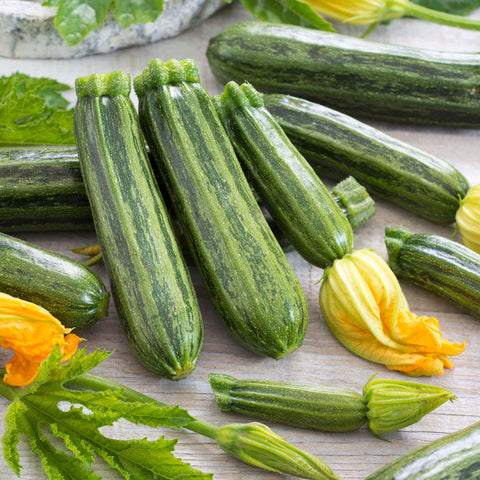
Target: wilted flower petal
468 219
32 333
364 306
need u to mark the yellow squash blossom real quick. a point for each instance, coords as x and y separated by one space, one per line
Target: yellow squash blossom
366 12
364 306
468 219
32 333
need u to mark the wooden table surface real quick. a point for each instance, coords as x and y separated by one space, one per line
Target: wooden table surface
321 359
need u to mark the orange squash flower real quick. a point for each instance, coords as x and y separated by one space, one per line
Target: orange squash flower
468 219
32 333
364 306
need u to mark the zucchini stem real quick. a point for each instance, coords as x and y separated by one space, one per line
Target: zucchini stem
441 18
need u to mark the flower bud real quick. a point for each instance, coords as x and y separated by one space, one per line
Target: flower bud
393 404
364 306
257 445
468 219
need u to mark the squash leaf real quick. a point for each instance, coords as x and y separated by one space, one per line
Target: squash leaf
75 19
33 111
457 7
294 12
36 408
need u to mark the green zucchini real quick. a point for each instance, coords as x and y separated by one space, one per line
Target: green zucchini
337 145
41 188
436 264
296 198
353 75
151 286
453 457
386 405
71 292
248 277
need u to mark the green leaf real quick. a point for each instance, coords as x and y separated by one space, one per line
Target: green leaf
75 19
33 111
295 12
457 7
79 426
137 11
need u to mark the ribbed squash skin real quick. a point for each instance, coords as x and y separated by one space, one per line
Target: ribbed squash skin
248 277
41 188
437 264
337 145
71 292
296 198
151 286
352 75
453 457
316 407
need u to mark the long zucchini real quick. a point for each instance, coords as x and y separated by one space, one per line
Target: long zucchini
151 286
41 188
71 292
337 145
249 279
353 75
453 457
436 264
294 195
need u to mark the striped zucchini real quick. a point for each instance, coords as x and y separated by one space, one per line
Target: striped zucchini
337 145
151 285
317 407
249 279
353 75
295 197
386 405
436 264
41 188
453 457
71 292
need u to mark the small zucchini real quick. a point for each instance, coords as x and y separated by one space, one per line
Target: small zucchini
455 456
41 189
386 405
436 264
71 292
249 279
294 195
353 75
337 145
151 286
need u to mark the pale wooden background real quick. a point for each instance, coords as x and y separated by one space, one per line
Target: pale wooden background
321 359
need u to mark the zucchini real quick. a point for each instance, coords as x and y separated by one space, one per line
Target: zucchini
337 145
317 407
454 457
386 405
436 264
353 75
41 188
151 286
248 277
71 292
295 197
